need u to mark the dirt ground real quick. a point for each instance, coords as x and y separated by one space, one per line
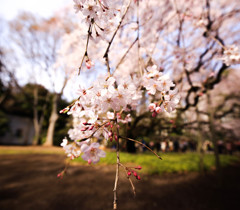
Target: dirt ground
29 181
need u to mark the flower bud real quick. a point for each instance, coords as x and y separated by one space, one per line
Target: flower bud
138 177
115 137
60 175
110 138
129 173
119 116
138 167
64 110
84 129
89 63
135 173
154 114
86 123
107 124
91 127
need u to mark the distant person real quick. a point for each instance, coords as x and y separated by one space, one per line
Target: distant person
158 146
176 146
209 147
163 146
220 146
229 148
170 146
143 147
151 145
192 146
167 146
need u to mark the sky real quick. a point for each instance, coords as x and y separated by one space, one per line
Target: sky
45 8
10 8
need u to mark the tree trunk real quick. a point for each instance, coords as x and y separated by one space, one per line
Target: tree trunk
200 153
213 134
200 145
52 121
36 121
35 116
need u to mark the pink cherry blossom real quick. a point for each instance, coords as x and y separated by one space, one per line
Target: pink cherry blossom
92 153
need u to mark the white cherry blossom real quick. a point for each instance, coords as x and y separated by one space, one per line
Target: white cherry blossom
92 153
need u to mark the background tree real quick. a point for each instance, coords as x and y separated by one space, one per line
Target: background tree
37 40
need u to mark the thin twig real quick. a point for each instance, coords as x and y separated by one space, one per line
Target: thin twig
133 188
117 170
125 54
142 145
138 39
215 39
84 139
85 53
110 42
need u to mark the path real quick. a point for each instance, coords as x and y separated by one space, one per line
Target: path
29 182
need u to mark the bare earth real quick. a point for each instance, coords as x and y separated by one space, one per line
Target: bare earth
29 181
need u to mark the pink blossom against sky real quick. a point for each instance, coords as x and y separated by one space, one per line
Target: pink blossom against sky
10 8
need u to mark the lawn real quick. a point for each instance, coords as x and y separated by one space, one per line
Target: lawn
170 163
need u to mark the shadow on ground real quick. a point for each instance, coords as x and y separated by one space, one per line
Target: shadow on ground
29 182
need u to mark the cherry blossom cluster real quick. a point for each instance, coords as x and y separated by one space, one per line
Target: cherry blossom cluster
91 152
100 13
100 108
231 55
161 87
92 117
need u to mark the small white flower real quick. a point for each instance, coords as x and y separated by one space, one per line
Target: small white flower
64 142
110 115
92 153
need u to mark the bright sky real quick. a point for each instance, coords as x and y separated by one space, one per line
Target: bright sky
10 8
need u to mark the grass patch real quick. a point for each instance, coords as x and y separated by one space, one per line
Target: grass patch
171 163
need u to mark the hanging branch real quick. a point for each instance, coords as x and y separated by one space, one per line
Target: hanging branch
110 42
142 145
86 48
117 170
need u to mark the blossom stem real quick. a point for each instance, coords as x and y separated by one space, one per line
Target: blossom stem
117 170
215 39
133 188
84 139
85 53
142 145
